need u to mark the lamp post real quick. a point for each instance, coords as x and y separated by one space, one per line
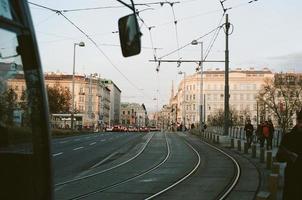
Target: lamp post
81 44
195 42
184 100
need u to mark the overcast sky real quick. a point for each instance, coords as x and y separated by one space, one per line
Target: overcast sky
266 33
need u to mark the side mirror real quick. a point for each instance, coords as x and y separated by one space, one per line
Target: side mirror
129 35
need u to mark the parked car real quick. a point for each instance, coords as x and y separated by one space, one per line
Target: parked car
109 129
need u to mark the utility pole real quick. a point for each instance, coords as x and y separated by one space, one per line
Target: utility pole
226 87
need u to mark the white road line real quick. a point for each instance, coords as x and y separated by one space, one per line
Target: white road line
78 148
103 140
62 142
57 154
92 143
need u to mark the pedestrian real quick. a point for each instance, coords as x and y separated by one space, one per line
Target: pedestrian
266 134
249 129
259 134
271 133
290 151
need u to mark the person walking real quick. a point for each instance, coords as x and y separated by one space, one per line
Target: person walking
266 135
290 151
259 134
271 134
249 129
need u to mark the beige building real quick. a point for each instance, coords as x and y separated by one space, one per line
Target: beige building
244 86
134 114
91 99
115 102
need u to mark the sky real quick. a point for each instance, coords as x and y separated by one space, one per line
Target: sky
265 33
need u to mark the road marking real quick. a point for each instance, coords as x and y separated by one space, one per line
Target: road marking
57 154
92 143
62 142
78 148
104 160
103 140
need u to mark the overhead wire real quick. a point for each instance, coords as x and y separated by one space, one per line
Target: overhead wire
176 29
93 42
208 50
208 33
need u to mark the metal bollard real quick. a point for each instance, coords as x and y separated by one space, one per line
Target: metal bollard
217 139
269 160
262 195
273 185
261 154
232 143
245 147
253 151
275 168
239 145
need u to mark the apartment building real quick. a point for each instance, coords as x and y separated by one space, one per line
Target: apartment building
134 114
91 99
115 102
244 87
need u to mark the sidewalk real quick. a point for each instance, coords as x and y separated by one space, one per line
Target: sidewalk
265 165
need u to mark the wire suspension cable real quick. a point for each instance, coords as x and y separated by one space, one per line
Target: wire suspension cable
93 42
176 30
214 38
189 43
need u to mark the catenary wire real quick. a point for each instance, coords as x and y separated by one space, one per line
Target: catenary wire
208 33
214 38
92 41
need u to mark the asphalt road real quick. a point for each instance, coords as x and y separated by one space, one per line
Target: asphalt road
138 166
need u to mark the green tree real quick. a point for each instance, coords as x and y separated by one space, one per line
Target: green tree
282 98
59 99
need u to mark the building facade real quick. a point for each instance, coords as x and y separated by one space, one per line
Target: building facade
244 87
91 99
115 102
134 114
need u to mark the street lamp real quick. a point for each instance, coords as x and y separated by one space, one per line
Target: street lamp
195 42
81 44
184 100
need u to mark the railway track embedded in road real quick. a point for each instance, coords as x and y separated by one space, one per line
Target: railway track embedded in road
108 169
124 181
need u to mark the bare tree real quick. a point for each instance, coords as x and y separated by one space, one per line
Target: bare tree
58 99
282 95
217 119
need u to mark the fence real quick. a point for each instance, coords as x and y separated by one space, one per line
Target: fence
239 133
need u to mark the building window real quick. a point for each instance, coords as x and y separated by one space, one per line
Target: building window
194 87
241 96
124 112
193 96
194 107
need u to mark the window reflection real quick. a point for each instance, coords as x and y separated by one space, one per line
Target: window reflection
15 121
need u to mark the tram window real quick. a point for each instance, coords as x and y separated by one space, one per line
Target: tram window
5 9
15 123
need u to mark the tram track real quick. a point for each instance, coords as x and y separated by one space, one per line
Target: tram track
126 180
108 169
